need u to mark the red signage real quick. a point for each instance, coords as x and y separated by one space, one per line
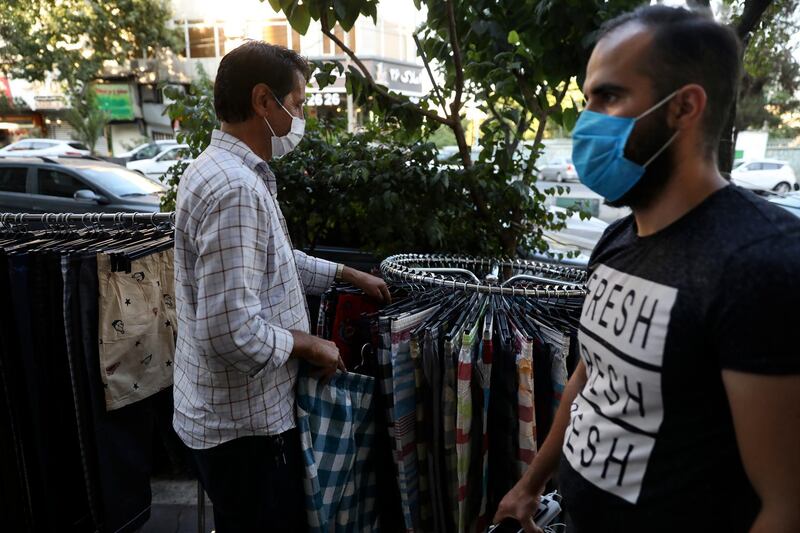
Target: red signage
5 87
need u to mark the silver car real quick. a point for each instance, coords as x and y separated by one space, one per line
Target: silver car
73 185
558 169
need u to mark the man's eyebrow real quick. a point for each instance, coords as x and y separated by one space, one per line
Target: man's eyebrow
605 88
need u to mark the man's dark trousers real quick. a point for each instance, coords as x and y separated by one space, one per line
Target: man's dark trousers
255 484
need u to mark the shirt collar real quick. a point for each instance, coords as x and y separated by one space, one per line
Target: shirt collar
234 145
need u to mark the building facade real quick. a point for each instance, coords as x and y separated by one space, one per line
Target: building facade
211 29
134 95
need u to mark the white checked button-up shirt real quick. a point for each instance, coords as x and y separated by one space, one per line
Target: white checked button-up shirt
240 288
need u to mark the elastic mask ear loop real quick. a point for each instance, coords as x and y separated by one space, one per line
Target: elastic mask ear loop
281 104
270 127
666 145
659 104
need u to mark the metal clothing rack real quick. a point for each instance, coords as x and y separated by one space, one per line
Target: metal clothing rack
89 220
528 278
85 218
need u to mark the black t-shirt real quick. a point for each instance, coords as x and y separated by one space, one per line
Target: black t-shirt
651 444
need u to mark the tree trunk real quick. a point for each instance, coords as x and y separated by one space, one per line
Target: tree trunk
727 143
751 16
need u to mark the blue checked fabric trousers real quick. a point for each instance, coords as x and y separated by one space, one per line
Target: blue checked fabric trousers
337 427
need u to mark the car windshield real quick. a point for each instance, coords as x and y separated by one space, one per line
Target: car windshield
78 146
122 182
149 151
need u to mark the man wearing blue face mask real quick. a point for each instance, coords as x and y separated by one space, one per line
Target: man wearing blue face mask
243 321
684 411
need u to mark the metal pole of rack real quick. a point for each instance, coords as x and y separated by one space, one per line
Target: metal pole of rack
201 508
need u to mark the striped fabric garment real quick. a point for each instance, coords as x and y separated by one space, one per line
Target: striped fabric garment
432 365
558 374
422 434
464 413
452 347
523 349
322 316
484 369
384 357
405 412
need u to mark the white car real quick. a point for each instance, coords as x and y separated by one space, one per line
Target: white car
147 150
44 147
765 175
157 166
577 236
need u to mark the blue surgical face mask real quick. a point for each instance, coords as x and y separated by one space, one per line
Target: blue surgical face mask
598 152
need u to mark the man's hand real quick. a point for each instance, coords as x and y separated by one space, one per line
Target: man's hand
318 352
372 286
520 503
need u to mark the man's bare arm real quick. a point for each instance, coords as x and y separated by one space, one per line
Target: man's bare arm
766 416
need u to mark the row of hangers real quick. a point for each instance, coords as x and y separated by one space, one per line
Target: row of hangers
127 240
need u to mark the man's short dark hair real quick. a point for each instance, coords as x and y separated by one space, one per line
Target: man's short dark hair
246 66
690 47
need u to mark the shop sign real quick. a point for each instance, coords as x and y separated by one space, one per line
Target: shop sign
50 102
326 98
115 99
400 77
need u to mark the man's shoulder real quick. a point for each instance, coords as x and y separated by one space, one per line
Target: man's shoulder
216 172
750 226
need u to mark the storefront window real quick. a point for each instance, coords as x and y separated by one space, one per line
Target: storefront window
329 46
277 34
201 42
394 42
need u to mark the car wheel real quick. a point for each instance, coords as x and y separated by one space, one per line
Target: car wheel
560 177
783 188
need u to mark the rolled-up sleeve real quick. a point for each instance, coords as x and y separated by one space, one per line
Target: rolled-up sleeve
232 257
316 274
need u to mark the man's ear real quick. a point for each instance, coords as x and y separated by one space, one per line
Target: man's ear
688 107
260 98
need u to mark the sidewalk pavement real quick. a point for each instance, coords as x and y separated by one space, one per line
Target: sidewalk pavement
174 508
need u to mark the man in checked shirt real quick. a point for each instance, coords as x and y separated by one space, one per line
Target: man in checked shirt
243 321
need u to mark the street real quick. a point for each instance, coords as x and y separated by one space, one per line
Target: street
579 191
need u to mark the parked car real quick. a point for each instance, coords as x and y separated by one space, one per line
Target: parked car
765 175
559 169
74 185
157 166
450 155
578 235
147 150
790 202
45 147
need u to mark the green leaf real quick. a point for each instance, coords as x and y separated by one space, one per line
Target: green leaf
371 10
569 118
352 12
276 5
300 18
513 37
340 8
